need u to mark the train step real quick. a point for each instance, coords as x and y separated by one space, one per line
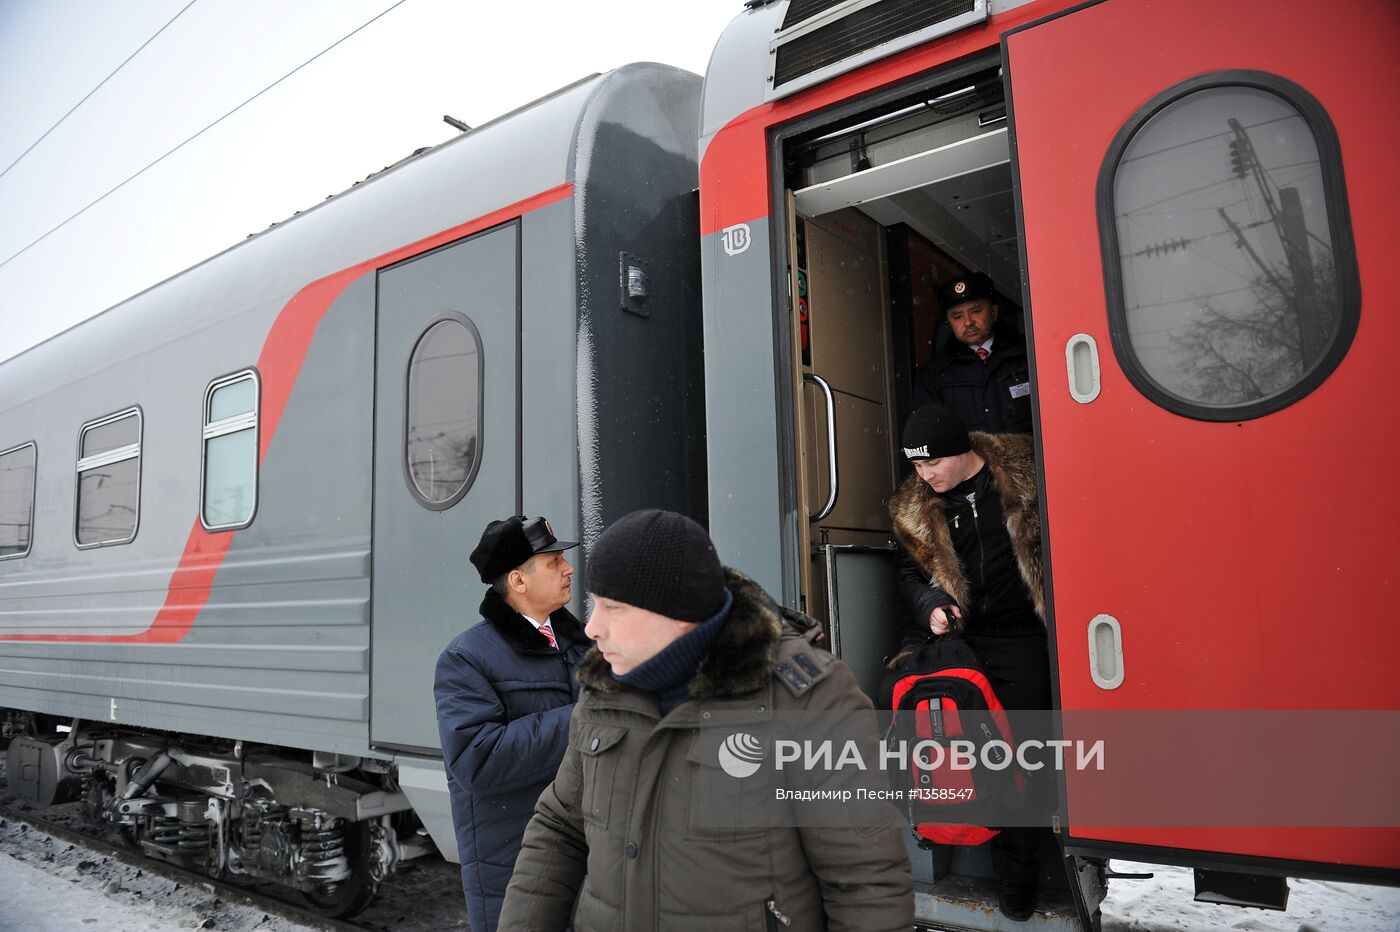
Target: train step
964 904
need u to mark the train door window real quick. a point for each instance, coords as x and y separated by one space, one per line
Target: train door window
229 478
442 443
109 480
16 500
1230 279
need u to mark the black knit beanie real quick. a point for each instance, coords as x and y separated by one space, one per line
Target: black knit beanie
934 431
660 561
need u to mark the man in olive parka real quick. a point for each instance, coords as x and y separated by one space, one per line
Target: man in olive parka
680 639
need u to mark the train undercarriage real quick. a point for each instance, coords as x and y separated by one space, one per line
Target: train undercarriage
329 826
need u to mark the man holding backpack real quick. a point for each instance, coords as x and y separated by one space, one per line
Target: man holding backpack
968 525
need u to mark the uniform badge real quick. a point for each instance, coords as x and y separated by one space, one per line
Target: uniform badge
960 287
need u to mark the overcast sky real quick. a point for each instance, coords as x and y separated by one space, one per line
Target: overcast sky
363 105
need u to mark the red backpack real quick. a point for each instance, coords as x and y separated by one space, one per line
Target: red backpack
943 695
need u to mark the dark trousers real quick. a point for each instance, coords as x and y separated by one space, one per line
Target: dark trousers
1019 671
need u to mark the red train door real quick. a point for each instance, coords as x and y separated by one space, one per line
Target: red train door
1202 215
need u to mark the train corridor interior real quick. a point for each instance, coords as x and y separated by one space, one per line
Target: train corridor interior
883 207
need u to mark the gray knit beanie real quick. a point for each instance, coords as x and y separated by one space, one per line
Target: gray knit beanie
660 561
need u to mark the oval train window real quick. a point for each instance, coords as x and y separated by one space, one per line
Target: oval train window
443 426
1231 278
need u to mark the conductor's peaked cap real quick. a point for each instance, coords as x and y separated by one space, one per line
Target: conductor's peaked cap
965 288
509 543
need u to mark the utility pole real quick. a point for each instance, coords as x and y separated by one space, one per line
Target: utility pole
1289 222
1293 229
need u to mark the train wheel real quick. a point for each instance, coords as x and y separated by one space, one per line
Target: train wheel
352 895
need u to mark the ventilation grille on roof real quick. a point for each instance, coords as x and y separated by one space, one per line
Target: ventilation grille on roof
864 29
801 10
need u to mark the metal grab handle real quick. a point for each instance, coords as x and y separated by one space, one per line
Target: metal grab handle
825 386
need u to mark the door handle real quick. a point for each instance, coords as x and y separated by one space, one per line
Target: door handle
1082 360
825 386
1106 651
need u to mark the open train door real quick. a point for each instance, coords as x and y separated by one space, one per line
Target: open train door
1202 215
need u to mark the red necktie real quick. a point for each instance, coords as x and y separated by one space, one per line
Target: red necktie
548 632
983 353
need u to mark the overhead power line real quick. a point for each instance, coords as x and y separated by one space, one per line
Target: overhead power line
206 129
97 88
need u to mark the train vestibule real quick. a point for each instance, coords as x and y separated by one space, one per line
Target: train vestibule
883 206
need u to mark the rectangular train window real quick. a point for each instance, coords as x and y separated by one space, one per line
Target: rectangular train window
16 500
229 477
109 479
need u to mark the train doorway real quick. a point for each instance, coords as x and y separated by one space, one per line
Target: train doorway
882 208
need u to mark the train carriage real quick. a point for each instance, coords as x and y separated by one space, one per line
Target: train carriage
234 510
1183 207
240 503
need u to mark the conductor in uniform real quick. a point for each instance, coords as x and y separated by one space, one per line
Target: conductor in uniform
982 373
505 688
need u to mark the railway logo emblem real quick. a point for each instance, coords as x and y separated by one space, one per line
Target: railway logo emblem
736 239
960 287
740 755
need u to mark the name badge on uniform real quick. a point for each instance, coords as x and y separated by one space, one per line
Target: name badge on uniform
1021 390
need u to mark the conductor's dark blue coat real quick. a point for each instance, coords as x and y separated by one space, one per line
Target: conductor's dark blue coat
504 697
992 396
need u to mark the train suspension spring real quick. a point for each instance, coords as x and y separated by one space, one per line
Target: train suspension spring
320 845
193 838
166 831
323 851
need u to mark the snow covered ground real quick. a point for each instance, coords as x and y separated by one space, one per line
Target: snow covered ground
1164 904
47 884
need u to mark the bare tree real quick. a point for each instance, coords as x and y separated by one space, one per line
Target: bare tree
1239 356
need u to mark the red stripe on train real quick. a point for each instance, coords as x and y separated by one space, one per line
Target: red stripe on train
283 352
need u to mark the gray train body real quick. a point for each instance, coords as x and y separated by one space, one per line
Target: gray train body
565 234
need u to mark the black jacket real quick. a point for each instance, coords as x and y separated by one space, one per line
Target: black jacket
504 697
976 525
988 564
992 395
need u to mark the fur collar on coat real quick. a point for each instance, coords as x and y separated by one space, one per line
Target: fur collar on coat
744 654
523 637
917 515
